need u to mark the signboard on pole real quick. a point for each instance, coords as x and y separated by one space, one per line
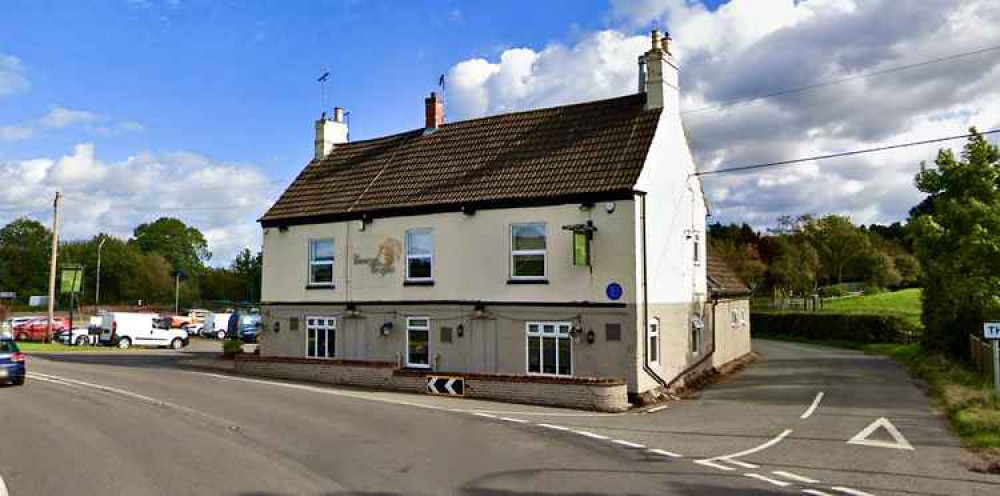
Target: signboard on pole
991 331
71 279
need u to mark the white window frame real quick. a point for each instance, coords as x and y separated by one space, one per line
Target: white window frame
697 248
430 257
310 325
427 329
541 346
315 263
542 252
697 334
653 340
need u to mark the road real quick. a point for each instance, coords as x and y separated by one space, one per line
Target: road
144 424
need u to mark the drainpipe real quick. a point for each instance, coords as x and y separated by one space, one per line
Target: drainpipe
645 295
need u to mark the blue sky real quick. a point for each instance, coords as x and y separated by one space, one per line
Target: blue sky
201 109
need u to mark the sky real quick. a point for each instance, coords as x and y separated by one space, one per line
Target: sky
204 110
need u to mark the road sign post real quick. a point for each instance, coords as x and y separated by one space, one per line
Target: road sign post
991 332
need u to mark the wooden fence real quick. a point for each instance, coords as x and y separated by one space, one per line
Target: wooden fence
981 352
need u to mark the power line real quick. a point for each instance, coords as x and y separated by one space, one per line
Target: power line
744 168
799 89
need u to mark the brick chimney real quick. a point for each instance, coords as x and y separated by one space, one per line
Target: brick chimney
329 133
434 112
658 74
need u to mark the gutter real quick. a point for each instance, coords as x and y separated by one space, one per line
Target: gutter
645 297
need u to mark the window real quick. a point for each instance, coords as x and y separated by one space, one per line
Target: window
419 254
321 337
418 342
697 249
527 252
696 327
653 340
321 262
550 350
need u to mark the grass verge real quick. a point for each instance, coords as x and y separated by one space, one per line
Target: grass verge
904 303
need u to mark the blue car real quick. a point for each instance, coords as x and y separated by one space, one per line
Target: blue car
12 368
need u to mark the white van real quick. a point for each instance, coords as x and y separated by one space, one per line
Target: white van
216 325
125 330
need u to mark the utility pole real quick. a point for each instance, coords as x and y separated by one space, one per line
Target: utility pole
177 293
53 265
97 292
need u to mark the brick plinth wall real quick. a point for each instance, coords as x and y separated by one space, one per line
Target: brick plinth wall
599 394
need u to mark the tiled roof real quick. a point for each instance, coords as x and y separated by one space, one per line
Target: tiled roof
723 280
561 152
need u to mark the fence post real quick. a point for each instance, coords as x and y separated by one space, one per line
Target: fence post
996 365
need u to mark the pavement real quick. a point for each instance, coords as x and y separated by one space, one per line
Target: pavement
146 424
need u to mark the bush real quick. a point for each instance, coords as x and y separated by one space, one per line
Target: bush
231 348
834 291
857 328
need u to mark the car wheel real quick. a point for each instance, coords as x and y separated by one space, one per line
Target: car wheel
22 337
176 344
81 341
19 382
220 335
124 343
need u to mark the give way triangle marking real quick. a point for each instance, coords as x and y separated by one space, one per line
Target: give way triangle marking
898 442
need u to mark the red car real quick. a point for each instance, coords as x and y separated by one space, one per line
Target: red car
34 330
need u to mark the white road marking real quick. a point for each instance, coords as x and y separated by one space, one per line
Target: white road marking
671 454
515 420
812 408
852 492
814 492
484 415
554 427
657 409
862 437
543 414
591 435
711 463
740 463
795 477
3 487
628 444
768 480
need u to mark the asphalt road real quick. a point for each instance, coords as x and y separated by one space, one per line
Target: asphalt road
143 424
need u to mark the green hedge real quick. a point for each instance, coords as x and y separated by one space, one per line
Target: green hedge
858 328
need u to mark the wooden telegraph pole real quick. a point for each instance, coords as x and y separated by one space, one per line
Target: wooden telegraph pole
53 265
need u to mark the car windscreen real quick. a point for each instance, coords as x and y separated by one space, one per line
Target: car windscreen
8 347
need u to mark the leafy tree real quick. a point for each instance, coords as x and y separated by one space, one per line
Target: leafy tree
909 269
25 248
880 269
958 243
248 267
742 258
184 247
796 268
837 242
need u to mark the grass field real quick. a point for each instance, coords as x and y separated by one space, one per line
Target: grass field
904 303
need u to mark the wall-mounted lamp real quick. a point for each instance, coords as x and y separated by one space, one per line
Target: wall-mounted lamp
460 330
386 328
609 207
352 311
276 327
480 311
591 336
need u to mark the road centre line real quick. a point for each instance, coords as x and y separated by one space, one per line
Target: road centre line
628 444
768 480
795 477
711 463
852 492
815 492
756 449
591 435
812 408
671 454
554 427
515 420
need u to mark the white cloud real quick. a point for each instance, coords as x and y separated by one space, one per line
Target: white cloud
748 47
16 133
221 199
60 117
12 77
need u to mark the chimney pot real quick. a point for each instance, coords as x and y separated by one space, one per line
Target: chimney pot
434 112
657 40
338 114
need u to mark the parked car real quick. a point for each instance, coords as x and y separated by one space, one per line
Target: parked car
12 367
79 336
36 329
124 330
244 327
216 325
16 321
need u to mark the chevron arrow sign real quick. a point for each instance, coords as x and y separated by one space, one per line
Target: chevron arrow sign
448 385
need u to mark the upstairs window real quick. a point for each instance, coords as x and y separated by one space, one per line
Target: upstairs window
697 249
321 255
419 255
527 254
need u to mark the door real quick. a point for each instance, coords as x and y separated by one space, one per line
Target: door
482 346
418 342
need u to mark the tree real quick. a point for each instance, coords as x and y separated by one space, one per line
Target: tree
248 267
909 269
742 258
25 248
184 247
796 268
957 236
880 269
837 242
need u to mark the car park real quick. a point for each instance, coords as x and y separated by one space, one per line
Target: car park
125 330
38 329
12 367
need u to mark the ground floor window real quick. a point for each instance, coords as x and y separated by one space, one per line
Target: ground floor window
550 350
697 326
653 339
418 342
321 337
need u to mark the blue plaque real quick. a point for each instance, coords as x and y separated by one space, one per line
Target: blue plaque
614 291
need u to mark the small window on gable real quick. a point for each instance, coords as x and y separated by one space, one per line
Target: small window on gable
697 248
321 257
653 340
527 254
419 254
